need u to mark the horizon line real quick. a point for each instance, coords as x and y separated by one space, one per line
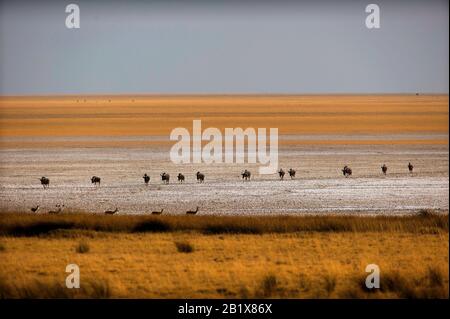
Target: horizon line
218 94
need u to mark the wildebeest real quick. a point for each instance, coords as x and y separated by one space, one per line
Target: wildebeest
291 173
111 212
156 212
165 178
192 212
200 177
410 167
180 177
146 178
95 180
281 173
45 182
246 175
384 169
347 171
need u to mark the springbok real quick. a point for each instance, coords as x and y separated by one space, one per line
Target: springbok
165 177
200 177
58 209
384 169
158 212
291 173
45 182
95 180
246 175
192 212
180 177
35 209
146 178
281 173
111 212
347 171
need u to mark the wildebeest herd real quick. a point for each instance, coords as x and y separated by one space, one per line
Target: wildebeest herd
165 178
246 175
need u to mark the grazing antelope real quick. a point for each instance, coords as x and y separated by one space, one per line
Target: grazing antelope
281 173
192 212
347 171
45 182
146 178
111 212
200 177
165 178
180 178
158 212
246 175
291 173
410 167
95 180
35 209
58 209
384 169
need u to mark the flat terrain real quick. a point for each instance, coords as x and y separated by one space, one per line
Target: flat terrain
219 257
249 239
70 139
122 116
319 186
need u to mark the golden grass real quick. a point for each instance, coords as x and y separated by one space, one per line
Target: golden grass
28 224
295 257
82 248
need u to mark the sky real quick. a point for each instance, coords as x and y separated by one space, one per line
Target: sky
223 47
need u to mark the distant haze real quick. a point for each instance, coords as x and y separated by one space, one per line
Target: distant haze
202 47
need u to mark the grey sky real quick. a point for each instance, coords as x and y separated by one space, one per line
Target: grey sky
223 47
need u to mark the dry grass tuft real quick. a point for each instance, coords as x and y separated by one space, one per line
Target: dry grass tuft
427 213
429 285
184 247
329 283
268 287
82 247
153 225
98 289
37 289
435 277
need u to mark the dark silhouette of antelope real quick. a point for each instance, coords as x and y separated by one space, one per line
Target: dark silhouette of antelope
158 212
291 173
200 177
58 209
246 175
45 182
146 178
95 180
111 212
281 173
35 209
192 212
384 169
347 171
410 167
165 178
180 178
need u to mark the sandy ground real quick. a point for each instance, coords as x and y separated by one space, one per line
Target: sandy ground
119 138
122 116
319 186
